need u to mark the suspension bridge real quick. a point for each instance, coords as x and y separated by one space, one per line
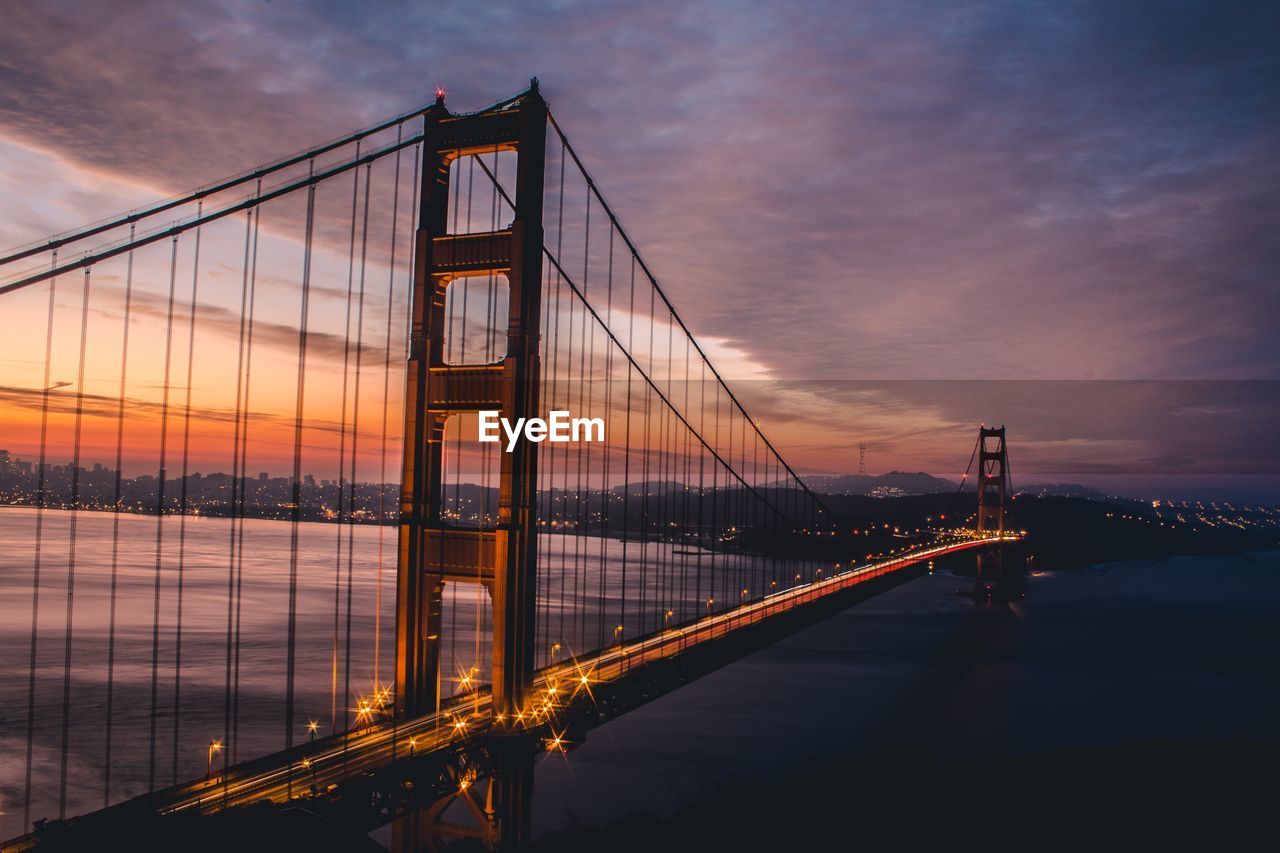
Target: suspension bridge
220 654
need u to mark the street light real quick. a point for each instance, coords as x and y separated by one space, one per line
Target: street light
214 746
312 727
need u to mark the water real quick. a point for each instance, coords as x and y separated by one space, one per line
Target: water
583 597
1175 651
1135 653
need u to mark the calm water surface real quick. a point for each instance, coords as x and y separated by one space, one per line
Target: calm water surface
1132 653
345 588
1118 655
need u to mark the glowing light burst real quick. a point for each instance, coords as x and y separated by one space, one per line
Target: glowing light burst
466 679
582 682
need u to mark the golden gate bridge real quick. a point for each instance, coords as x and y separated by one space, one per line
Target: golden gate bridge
350 309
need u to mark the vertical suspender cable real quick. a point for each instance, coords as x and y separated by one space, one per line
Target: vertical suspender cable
300 400
386 395
605 494
71 550
41 500
238 481
182 499
342 458
240 520
626 453
355 428
414 199
117 510
160 484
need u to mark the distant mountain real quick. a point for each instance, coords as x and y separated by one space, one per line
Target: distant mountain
652 487
892 484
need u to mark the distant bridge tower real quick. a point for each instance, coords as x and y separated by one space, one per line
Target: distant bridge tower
433 552
992 480
862 457
993 486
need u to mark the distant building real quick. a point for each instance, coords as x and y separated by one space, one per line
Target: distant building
262 477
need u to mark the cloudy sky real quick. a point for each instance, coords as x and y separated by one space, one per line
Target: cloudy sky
884 206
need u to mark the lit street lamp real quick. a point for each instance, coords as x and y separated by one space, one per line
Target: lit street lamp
214 746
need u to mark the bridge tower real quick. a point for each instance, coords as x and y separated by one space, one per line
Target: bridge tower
993 486
433 552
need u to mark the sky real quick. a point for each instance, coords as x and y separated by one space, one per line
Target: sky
890 220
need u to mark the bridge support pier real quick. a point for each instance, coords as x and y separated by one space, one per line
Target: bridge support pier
992 580
495 811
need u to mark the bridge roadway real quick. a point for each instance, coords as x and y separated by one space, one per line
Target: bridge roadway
328 761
